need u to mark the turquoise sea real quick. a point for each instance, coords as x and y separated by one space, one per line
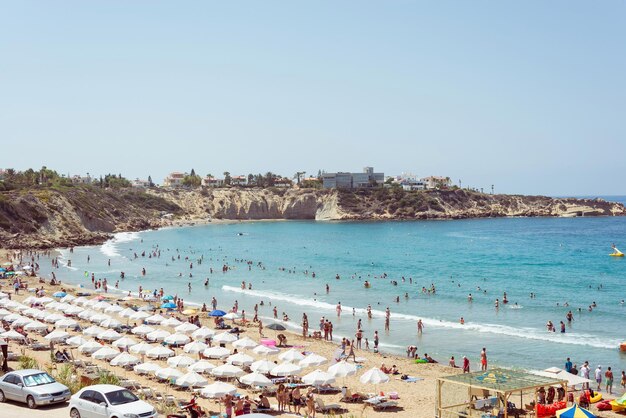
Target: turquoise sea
561 260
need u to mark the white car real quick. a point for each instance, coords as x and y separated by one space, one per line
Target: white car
108 401
33 387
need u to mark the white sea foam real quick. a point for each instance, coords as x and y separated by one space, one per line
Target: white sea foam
522 332
111 247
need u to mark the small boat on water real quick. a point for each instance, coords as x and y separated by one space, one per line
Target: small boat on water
616 252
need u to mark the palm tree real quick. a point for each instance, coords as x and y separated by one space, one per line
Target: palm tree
298 175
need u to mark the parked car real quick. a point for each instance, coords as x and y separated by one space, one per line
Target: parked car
32 386
109 401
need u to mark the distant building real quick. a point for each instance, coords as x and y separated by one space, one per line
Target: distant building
212 182
140 184
283 183
367 179
174 179
81 179
412 184
436 182
238 181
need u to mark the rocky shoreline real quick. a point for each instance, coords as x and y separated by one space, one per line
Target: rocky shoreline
74 216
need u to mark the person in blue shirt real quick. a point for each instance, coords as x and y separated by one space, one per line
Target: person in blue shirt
568 366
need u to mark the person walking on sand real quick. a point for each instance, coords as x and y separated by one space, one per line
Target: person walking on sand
483 359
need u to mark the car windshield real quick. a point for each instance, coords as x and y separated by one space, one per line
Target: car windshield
120 397
38 379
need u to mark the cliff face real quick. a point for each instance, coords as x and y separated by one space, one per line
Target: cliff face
47 218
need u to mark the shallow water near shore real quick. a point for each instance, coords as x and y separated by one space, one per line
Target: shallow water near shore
559 259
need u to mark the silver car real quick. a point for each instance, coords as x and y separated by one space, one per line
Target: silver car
33 387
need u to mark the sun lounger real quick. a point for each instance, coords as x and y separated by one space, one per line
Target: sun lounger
321 407
327 389
385 405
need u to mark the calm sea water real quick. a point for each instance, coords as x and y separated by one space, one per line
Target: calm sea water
562 260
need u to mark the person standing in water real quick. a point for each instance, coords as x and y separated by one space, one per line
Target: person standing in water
483 359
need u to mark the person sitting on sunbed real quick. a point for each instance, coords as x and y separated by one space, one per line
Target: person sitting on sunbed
262 402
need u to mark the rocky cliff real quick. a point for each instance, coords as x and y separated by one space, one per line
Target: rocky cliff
55 217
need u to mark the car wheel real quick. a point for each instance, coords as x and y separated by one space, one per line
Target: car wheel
30 401
74 413
2 397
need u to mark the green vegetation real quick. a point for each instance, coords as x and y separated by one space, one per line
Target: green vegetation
26 362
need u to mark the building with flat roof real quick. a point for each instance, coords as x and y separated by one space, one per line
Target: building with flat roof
342 180
174 179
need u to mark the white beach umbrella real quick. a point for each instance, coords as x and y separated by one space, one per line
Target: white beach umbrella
201 366
264 350
45 299
98 318
80 301
141 348
227 370
138 316
224 338
291 355
41 315
154 319
21 308
374 376
12 335
216 352
12 317
159 352
68 298
124 359
66 323
186 328
168 373
113 309
256 379
35 326
76 341
86 314
101 306
191 379
31 312
142 330
245 343
240 359
52 318
93 331
105 353
125 313
52 305
4 312
28 300
177 339
146 368
342 369
5 295
313 360
202 333
20 322
61 307
194 347
124 342
171 322
262 366
73 310
231 315
158 335
109 335
286 369
318 378
218 390
10 304
180 361
89 347
110 323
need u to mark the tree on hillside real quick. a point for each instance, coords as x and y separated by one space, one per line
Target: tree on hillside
150 183
193 172
227 177
250 179
270 178
298 176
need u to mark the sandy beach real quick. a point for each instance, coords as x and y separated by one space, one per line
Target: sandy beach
415 399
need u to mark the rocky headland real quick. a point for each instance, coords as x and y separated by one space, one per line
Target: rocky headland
83 215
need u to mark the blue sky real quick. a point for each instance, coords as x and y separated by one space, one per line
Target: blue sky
528 95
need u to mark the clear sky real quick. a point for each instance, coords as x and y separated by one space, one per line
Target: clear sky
527 95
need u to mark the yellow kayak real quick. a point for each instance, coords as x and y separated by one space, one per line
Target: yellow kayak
617 255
